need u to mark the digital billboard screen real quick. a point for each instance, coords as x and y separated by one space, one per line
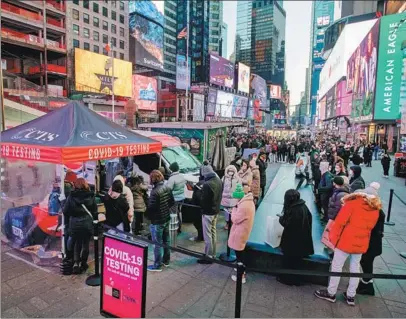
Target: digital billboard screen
221 71
243 82
98 75
224 103
182 79
145 92
152 10
240 105
361 76
275 92
258 89
146 42
211 102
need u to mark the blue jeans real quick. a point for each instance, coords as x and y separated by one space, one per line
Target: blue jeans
160 234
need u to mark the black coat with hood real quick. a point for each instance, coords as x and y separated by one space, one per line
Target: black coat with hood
262 171
297 234
116 210
211 194
76 217
375 243
356 181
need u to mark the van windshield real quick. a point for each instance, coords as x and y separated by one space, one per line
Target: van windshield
186 161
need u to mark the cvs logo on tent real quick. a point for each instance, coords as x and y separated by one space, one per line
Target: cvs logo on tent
34 134
102 136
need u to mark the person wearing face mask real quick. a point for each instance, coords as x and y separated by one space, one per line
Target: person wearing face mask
356 180
230 181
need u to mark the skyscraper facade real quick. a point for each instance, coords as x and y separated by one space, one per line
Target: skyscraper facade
260 38
198 37
170 39
216 23
224 30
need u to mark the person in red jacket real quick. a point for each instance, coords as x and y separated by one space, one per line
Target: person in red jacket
350 234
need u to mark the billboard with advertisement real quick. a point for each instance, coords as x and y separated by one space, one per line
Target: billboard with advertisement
322 109
391 71
361 76
243 82
198 107
275 92
240 105
145 91
330 103
344 99
258 89
146 42
211 102
182 79
152 10
254 112
221 71
224 103
98 76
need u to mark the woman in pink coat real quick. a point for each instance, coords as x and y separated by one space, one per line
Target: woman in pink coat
242 217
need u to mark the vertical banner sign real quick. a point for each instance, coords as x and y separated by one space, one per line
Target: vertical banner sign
124 278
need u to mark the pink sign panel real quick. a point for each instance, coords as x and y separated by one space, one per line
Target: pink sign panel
123 278
344 99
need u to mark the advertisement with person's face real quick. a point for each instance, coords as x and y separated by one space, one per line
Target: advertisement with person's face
258 89
221 71
243 78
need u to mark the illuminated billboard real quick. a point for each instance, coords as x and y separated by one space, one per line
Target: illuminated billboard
240 105
145 92
275 92
224 105
152 10
243 82
146 42
258 89
94 73
221 71
211 102
182 80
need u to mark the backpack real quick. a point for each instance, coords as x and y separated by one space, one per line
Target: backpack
54 204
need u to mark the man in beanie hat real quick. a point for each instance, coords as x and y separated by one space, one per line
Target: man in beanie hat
210 205
340 190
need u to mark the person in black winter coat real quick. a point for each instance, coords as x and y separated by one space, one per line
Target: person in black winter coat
325 189
80 223
335 204
117 207
262 165
159 204
385 161
366 286
356 180
296 241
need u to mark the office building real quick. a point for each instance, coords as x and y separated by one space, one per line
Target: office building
224 30
33 56
260 39
216 24
170 40
198 37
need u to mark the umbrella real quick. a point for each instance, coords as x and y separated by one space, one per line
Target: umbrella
218 160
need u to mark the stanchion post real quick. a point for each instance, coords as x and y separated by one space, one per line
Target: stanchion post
388 222
95 280
238 291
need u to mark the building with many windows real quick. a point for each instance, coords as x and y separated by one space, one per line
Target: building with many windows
224 30
215 23
260 39
170 39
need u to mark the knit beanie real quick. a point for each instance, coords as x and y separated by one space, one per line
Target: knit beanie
206 169
338 180
239 192
372 189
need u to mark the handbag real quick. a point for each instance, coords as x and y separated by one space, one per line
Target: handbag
274 231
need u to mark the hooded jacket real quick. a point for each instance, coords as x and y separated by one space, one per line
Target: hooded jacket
116 210
385 161
352 228
128 195
356 181
297 234
176 183
243 220
256 179
77 219
230 180
335 203
139 192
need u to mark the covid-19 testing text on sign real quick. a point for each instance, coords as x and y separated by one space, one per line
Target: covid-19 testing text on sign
124 277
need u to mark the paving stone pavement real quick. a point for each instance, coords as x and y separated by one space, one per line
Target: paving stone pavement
187 289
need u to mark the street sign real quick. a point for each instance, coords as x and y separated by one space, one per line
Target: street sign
123 277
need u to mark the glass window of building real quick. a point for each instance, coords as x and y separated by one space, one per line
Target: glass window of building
76 43
113 41
122 56
95 36
113 28
105 12
105 38
121 44
95 7
96 48
86 4
75 2
86 46
121 5
86 32
121 18
76 29
85 18
121 32
115 54
114 15
113 3
75 14
105 26
96 22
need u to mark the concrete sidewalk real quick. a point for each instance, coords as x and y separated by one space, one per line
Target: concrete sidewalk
187 289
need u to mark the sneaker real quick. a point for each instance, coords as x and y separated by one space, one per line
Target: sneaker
165 263
350 300
323 294
244 278
153 268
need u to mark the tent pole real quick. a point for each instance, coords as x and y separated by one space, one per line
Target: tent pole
160 159
61 198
